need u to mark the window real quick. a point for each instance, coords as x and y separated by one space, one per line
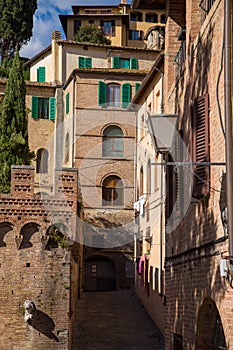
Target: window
130 63
136 17
141 179
149 177
43 108
113 142
163 19
77 25
67 148
41 74
113 94
108 27
112 191
42 157
201 153
91 21
135 34
152 17
67 103
84 62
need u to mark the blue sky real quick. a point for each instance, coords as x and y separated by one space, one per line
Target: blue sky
46 20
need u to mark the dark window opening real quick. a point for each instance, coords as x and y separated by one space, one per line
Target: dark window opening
112 191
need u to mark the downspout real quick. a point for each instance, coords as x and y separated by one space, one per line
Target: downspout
228 121
73 121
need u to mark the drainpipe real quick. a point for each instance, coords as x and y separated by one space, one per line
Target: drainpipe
228 120
73 121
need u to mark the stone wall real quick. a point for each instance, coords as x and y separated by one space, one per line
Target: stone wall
35 265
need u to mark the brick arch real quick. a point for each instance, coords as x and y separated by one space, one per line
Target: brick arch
27 232
5 227
99 273
124 131
210 332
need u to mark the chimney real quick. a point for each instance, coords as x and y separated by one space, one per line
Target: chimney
56 35
124 2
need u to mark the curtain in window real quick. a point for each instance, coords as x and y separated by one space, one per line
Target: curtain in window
112 191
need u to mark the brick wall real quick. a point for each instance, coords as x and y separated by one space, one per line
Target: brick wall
194 248
34 266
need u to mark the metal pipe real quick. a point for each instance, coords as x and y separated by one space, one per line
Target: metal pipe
228 119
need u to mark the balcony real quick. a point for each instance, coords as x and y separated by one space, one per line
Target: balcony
180 58
205 6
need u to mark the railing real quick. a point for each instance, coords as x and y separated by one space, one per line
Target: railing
205 6
180 58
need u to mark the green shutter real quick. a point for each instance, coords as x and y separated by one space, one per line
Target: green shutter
115 62
52 108
133 63
137 86
67 103
102 93
88 62
41 74
81 62
35 107
125 94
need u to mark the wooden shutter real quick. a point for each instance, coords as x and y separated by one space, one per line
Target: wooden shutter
115 62
67 103
52 108
41 74
200 124
88 62
102 93
35 107
133 63
126 94
137 86
81 62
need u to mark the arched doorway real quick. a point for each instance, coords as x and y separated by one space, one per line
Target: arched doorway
99 274
210 333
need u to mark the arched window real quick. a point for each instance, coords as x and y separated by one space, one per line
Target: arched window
112 191
42 158
67 148
113 94
136 17
113 142
152 17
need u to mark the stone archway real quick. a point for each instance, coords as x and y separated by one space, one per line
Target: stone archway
210 333
99 274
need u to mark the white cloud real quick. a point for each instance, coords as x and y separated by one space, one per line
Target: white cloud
46 20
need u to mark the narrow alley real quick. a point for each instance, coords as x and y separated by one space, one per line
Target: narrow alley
114 320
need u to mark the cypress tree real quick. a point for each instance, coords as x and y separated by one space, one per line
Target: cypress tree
14 148
16 23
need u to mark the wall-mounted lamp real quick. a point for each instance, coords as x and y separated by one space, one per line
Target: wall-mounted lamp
162 129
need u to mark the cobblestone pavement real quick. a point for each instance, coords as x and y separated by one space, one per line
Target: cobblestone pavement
114 321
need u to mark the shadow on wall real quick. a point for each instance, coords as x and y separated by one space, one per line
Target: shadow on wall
43 324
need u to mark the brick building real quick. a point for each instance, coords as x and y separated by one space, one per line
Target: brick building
92 86
198 297
198 283
41 260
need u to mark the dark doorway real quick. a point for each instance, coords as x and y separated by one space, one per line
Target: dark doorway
210 333
99 274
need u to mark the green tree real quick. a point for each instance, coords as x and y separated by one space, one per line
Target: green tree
14 148
16 23
91 34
